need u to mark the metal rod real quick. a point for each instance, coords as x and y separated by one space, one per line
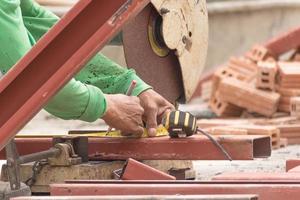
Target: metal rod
13 170
146 197
52 152
265 191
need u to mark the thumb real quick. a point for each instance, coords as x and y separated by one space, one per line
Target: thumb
152 123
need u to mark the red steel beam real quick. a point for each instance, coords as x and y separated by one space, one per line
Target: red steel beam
80 181
57 57
244 147
134 170
143 197
265 191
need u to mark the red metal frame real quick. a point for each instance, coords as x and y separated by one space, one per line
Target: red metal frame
134 170
53 61
142 197
198 147
265 190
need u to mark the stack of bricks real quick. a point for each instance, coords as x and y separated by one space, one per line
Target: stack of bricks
244 127
259 82
286 94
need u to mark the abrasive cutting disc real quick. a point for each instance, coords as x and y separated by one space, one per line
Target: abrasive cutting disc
157 66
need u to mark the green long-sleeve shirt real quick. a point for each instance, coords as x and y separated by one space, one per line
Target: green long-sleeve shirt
22 24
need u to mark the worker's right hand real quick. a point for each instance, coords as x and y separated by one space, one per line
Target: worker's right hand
124 113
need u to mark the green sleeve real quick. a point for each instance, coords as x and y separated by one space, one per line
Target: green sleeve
110 77
100 71
76 95
76 100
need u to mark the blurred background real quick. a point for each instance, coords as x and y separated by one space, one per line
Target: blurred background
234 26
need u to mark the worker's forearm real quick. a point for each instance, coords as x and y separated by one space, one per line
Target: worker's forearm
78 101
110 77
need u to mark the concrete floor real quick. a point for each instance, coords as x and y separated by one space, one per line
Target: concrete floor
276 163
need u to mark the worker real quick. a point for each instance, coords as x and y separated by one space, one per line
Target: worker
97 91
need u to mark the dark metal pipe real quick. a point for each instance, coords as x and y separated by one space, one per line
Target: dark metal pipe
52 152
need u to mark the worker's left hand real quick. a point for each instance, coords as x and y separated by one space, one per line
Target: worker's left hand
155 107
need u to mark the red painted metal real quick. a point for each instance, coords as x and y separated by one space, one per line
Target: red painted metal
143 197
265 191
192 148
284 42
60 54
291 164
257 176
135 170
296 181
244 147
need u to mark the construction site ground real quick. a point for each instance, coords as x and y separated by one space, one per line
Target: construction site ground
44 123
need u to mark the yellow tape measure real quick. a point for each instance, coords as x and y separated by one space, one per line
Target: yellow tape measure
161 131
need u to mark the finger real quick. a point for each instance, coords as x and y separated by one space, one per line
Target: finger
126 133
152 122
138 132
163 113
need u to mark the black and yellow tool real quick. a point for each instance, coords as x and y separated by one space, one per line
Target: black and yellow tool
183 124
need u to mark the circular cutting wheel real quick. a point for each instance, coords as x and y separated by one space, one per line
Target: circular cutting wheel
146 52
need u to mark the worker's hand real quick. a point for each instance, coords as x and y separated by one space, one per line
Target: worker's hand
155 107
124 113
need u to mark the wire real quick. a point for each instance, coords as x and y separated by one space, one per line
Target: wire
216 143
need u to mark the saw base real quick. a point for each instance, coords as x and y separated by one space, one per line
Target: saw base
98 170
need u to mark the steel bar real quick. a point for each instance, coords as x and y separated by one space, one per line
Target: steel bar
244 147
193 148
13 168
80 181
57 57
52 152
265 191
134 170
142 197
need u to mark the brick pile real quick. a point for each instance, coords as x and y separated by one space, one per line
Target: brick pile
259 81
263 83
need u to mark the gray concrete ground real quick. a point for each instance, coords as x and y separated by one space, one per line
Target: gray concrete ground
276 163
